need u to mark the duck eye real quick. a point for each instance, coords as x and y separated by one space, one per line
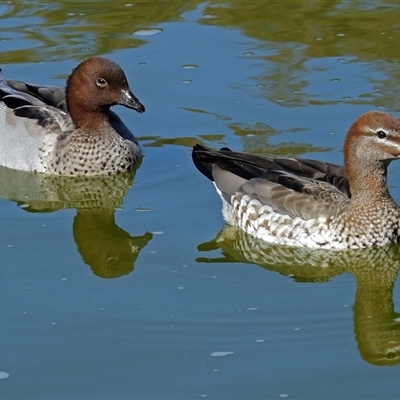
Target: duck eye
101 82
380 134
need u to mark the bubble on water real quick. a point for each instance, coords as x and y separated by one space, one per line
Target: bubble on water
4 375
147 32
142 209
221 353
189 66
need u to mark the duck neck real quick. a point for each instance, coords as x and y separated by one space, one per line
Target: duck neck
368 180
91 122
88 118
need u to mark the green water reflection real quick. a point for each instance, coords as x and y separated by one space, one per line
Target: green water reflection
109 250
376 324
311 30
319 28
255 141
76 29
33 31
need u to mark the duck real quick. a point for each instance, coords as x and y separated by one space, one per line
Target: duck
72 131
311 203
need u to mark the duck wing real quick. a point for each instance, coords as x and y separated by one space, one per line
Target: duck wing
287 186
29 127
42 111
250 166
51 95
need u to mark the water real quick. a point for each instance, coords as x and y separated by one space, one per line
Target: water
131 288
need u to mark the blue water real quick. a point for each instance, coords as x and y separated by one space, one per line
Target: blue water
185 320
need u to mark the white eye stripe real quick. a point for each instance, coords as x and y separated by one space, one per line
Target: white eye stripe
387 131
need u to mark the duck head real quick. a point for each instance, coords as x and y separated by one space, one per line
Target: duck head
105 85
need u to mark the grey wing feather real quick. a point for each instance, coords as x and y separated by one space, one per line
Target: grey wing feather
40 104
49 94
250 166
226 182
316 199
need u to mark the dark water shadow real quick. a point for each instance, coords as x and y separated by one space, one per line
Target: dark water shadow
376 323
110 251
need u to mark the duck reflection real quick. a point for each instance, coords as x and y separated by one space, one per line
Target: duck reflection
109 250
376 324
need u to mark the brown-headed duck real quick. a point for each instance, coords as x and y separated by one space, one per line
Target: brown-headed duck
312 203
48 130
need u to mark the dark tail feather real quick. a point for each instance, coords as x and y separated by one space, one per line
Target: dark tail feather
240 164
202 160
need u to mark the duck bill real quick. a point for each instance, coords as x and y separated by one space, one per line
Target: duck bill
130 101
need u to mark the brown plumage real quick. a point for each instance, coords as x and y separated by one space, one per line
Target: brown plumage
312 203
73 132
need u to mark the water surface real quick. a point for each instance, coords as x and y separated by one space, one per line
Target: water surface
131 287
